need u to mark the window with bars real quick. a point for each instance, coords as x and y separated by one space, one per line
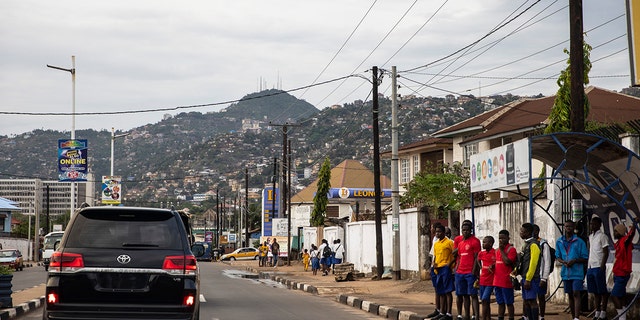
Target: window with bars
404 170
469 150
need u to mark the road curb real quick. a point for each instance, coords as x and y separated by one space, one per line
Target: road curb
352 301
21 309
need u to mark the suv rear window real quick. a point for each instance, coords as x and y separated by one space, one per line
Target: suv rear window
118 229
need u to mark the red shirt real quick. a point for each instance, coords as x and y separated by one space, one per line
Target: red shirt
622 262
501 276
487 259
467 250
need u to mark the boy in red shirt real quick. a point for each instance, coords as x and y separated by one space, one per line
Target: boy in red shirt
467 247
506 258
622 265
486 264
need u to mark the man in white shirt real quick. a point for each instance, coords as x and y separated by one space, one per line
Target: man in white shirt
597 267
545 269
339 252
436 312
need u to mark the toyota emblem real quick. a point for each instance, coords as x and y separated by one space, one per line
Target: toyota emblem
124 259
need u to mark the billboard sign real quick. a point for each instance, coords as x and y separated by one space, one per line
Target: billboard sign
111 190
355 193
72 160
269 209
500 167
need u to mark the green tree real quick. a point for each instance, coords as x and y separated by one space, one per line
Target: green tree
560 116
320 200
442 188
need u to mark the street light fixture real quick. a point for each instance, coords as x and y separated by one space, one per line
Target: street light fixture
73 119
113 139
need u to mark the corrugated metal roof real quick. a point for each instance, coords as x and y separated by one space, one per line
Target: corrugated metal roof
606 107
8 205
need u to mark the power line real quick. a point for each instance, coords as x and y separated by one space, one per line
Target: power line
173 108
473 43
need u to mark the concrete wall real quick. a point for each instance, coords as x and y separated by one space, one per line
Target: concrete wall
360 243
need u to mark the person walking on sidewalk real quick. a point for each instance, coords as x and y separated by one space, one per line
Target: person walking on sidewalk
622 265
332 260
572 253
305 259
597 267
338 253
315 259
324 258
442 263
466 252
486 263
275 250
506 259
530 272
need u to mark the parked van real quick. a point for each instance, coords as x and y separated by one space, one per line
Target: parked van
49 245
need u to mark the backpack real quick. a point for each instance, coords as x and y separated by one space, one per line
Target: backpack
552 255
326 252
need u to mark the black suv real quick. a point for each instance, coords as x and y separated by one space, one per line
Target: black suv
124 263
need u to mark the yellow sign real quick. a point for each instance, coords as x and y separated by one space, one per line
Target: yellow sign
633 26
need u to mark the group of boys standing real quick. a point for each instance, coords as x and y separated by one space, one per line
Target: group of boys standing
476 273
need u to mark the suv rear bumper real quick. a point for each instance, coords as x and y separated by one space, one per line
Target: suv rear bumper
120 316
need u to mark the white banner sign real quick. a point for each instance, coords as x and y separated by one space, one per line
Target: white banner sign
500 167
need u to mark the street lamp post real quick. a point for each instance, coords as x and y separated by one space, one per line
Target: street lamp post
113 139
73 119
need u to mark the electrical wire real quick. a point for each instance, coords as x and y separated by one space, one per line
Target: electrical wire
473 43
334 56
175 107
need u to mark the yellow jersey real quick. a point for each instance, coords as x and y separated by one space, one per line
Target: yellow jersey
443 252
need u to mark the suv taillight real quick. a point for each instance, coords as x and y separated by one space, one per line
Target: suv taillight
66 261
180 264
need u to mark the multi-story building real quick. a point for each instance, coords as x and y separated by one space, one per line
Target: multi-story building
35 195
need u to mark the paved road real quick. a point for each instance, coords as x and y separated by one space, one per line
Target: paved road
228 293
28 278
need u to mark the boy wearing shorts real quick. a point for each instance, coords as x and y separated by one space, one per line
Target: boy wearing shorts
622 265
486 264
442 263
506 258
572 253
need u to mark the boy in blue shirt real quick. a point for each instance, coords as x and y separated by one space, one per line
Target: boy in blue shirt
572 253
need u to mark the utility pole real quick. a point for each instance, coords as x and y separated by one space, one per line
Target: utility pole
286 179
73 123
247 236
576 55
289 202
395 189
274 194
217 219
284 192
376 177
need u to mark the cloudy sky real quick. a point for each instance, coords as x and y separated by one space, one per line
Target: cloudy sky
139 60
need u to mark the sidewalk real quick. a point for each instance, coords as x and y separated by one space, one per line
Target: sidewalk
395 299
23 302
